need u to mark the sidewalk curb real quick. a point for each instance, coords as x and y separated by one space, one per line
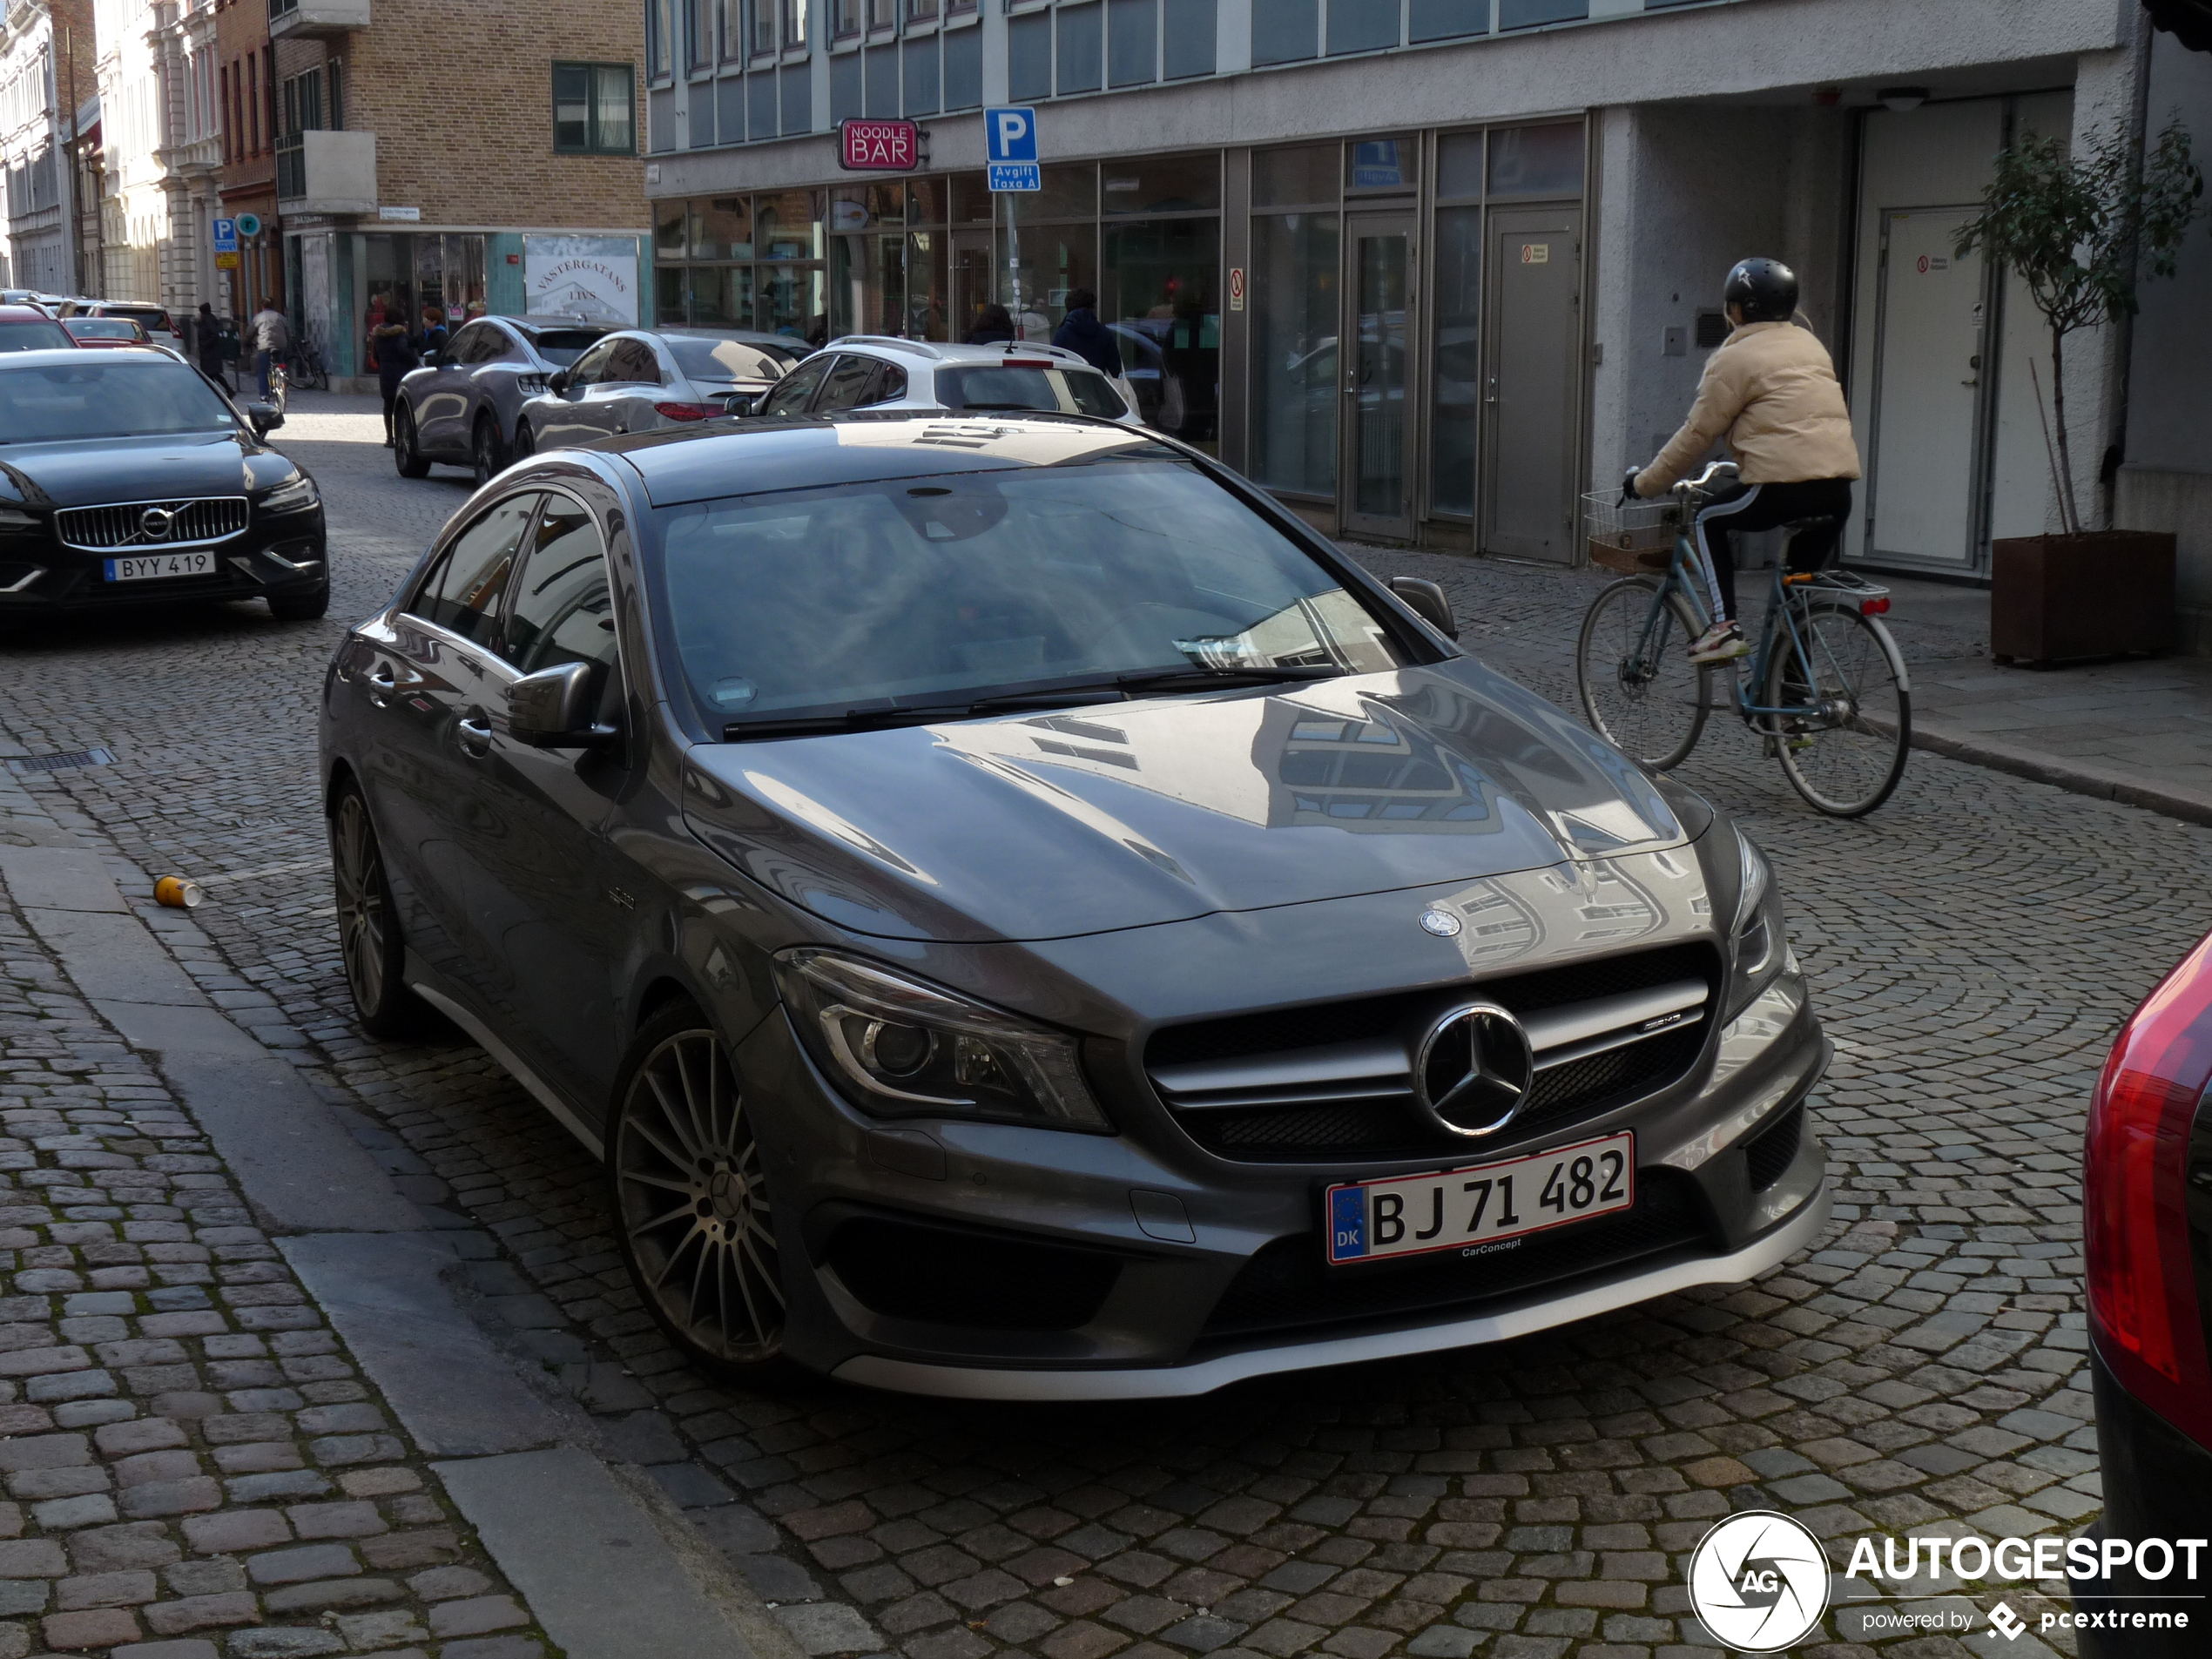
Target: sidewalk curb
2190 806
550 1518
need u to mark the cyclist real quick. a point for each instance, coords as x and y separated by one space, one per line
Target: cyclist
1771 388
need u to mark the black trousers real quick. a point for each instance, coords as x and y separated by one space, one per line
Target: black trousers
1764 507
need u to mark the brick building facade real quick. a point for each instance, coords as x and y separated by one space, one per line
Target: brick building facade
421 164
246 92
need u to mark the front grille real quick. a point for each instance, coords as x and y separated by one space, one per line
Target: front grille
1334 1081
1768 1157
122 526
1285 1286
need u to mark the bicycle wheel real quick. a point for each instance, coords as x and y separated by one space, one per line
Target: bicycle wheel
1640 689
1844 751
278 380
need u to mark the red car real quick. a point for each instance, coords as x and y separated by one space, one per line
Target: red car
106 331
2147 1216
28 328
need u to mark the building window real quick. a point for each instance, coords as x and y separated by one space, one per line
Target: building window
302 115
846 17
794 22
334 94
883 14
594 109
921 10
253 103
658 56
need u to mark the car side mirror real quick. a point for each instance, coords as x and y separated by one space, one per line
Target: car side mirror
444 360
557 382
551 709
265 417
1426 600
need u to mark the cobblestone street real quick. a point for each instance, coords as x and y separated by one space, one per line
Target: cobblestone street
197 1469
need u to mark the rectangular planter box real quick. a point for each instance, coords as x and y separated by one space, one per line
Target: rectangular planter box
2101 594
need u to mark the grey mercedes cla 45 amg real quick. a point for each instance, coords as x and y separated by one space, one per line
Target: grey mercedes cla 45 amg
1021 916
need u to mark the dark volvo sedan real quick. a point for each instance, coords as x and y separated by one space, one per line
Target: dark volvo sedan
1021 916
127 478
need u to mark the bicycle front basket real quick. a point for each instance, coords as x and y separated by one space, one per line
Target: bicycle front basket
1631 536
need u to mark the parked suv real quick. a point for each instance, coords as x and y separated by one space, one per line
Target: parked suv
462 407
155 320
1025 917
640 380
880 371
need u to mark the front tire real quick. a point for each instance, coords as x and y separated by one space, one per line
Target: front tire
483 450
410 464
309 606
1639 690
369 940
1846 759
525 445
697 1223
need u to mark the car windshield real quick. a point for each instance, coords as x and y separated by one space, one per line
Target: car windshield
725 359
28 335
145 316
941 590
106 328
561 347
1065 391
102 398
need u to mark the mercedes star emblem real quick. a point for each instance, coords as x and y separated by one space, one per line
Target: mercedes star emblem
1441 922
1473 1069
154 524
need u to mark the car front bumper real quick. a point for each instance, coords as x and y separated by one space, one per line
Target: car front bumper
287 554
1009 1205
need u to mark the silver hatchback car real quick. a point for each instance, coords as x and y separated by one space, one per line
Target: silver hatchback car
641 379
882 372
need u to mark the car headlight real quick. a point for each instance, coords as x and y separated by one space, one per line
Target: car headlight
1758 944
290 496
900 1047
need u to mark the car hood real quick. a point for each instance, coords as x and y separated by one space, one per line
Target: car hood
84 472
1053 825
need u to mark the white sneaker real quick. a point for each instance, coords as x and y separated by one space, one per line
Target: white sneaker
1721 643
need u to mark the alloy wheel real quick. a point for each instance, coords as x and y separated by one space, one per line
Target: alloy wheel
362 939
486 453
697 1220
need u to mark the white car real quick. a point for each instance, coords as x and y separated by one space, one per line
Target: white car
879 372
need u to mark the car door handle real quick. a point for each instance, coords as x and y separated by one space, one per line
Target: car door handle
380 684
473 733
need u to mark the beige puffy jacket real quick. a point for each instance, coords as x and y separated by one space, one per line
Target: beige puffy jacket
1772 387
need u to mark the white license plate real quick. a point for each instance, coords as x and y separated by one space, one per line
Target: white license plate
1473 1211
147 566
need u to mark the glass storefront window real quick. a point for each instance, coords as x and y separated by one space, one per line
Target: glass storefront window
1301 177
787 225
1159 291
409 272
1537 161
1457 385
926 201
1458 165
721 296
1068 192
1293 308
1162 185
1382 164
1055 259
789 301
669 283
973 203
670 236
925 298
721 228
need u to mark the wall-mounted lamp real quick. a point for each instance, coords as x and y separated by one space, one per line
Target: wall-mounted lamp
1902 98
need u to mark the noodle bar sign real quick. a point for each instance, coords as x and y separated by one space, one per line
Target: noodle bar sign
879 146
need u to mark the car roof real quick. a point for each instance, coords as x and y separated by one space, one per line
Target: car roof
72 356
24 313
749 455
957 356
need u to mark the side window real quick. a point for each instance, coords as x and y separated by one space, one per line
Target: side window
463 589
847 387
632 362
591 368
790 395
890 383
564 608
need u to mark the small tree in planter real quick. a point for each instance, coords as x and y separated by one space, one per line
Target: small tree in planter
2081 233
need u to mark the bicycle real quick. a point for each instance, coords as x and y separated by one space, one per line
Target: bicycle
305 367
280 382
1825 686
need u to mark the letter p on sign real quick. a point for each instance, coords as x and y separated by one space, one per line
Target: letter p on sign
1010 134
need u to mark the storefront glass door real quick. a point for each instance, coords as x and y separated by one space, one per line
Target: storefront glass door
1377 496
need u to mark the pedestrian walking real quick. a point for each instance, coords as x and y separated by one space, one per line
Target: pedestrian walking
992 326
272 337
434 332
1082 333
394 356
207 343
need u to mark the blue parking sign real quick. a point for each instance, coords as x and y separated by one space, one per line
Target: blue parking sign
225 234
1010 135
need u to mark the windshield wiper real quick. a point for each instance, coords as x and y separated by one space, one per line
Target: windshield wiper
1203 678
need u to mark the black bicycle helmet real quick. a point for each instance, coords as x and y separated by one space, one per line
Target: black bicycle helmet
1767 289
